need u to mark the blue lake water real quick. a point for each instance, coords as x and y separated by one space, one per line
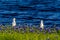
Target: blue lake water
30 12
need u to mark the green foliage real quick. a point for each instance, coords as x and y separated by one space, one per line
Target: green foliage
28 36
7 34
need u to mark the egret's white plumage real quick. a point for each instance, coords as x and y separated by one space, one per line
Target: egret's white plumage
14 22
42 25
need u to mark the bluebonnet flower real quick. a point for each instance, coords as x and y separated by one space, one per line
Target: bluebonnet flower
45 30
31 30
40 29
48 30
58 28
15 28
0 25
19 29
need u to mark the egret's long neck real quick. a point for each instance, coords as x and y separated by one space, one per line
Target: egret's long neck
42 25
13 20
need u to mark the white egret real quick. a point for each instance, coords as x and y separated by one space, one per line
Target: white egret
41 24
14 22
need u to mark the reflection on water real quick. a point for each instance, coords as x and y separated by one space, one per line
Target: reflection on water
30 12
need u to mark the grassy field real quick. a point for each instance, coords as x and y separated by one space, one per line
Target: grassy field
15 34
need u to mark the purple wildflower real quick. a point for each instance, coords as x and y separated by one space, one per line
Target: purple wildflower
31 30
49 30
40 29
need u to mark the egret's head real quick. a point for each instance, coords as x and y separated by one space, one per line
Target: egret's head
14 18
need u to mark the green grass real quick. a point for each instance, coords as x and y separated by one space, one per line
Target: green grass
15 35
28 36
